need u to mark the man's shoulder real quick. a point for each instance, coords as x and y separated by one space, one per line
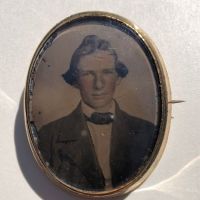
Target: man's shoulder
131 118
57 125
135 123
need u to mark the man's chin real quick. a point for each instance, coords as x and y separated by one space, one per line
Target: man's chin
101 106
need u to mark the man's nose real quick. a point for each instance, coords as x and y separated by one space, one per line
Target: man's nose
98 82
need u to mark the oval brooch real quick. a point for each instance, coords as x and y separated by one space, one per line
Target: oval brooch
96 105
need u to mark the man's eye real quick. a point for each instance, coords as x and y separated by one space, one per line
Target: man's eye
109 71
85 73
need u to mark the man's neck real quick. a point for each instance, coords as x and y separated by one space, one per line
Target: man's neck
87 110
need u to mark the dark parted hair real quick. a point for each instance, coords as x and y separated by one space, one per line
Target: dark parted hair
89 45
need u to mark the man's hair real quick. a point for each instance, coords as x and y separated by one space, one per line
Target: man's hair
89 45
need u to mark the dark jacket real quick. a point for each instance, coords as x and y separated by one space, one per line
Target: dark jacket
67 147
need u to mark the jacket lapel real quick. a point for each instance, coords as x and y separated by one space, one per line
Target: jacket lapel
79 148
120 148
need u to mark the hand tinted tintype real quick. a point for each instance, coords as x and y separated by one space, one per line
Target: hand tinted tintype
96 105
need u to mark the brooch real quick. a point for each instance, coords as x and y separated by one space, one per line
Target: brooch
97 107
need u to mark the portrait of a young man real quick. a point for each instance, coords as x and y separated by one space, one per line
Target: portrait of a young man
98 146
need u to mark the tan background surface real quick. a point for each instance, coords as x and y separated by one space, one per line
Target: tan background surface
53 98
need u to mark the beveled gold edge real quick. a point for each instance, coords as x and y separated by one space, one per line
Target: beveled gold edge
166 106
166 110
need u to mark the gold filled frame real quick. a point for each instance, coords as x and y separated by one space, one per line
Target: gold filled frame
162 85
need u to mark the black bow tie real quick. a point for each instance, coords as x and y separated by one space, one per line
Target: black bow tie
101 118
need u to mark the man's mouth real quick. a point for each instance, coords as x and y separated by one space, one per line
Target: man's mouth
99 96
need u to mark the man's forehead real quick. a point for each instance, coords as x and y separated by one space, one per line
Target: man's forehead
98 57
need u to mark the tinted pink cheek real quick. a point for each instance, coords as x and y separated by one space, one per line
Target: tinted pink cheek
112 84
86 84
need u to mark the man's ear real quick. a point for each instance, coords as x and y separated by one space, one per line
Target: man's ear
76 85
118 80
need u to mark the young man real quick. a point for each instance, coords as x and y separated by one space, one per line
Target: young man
98 146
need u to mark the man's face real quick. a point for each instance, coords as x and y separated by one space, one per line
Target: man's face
97 79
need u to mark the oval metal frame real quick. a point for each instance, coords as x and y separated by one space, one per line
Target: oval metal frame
165 108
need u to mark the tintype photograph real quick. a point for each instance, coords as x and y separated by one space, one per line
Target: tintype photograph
95 105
